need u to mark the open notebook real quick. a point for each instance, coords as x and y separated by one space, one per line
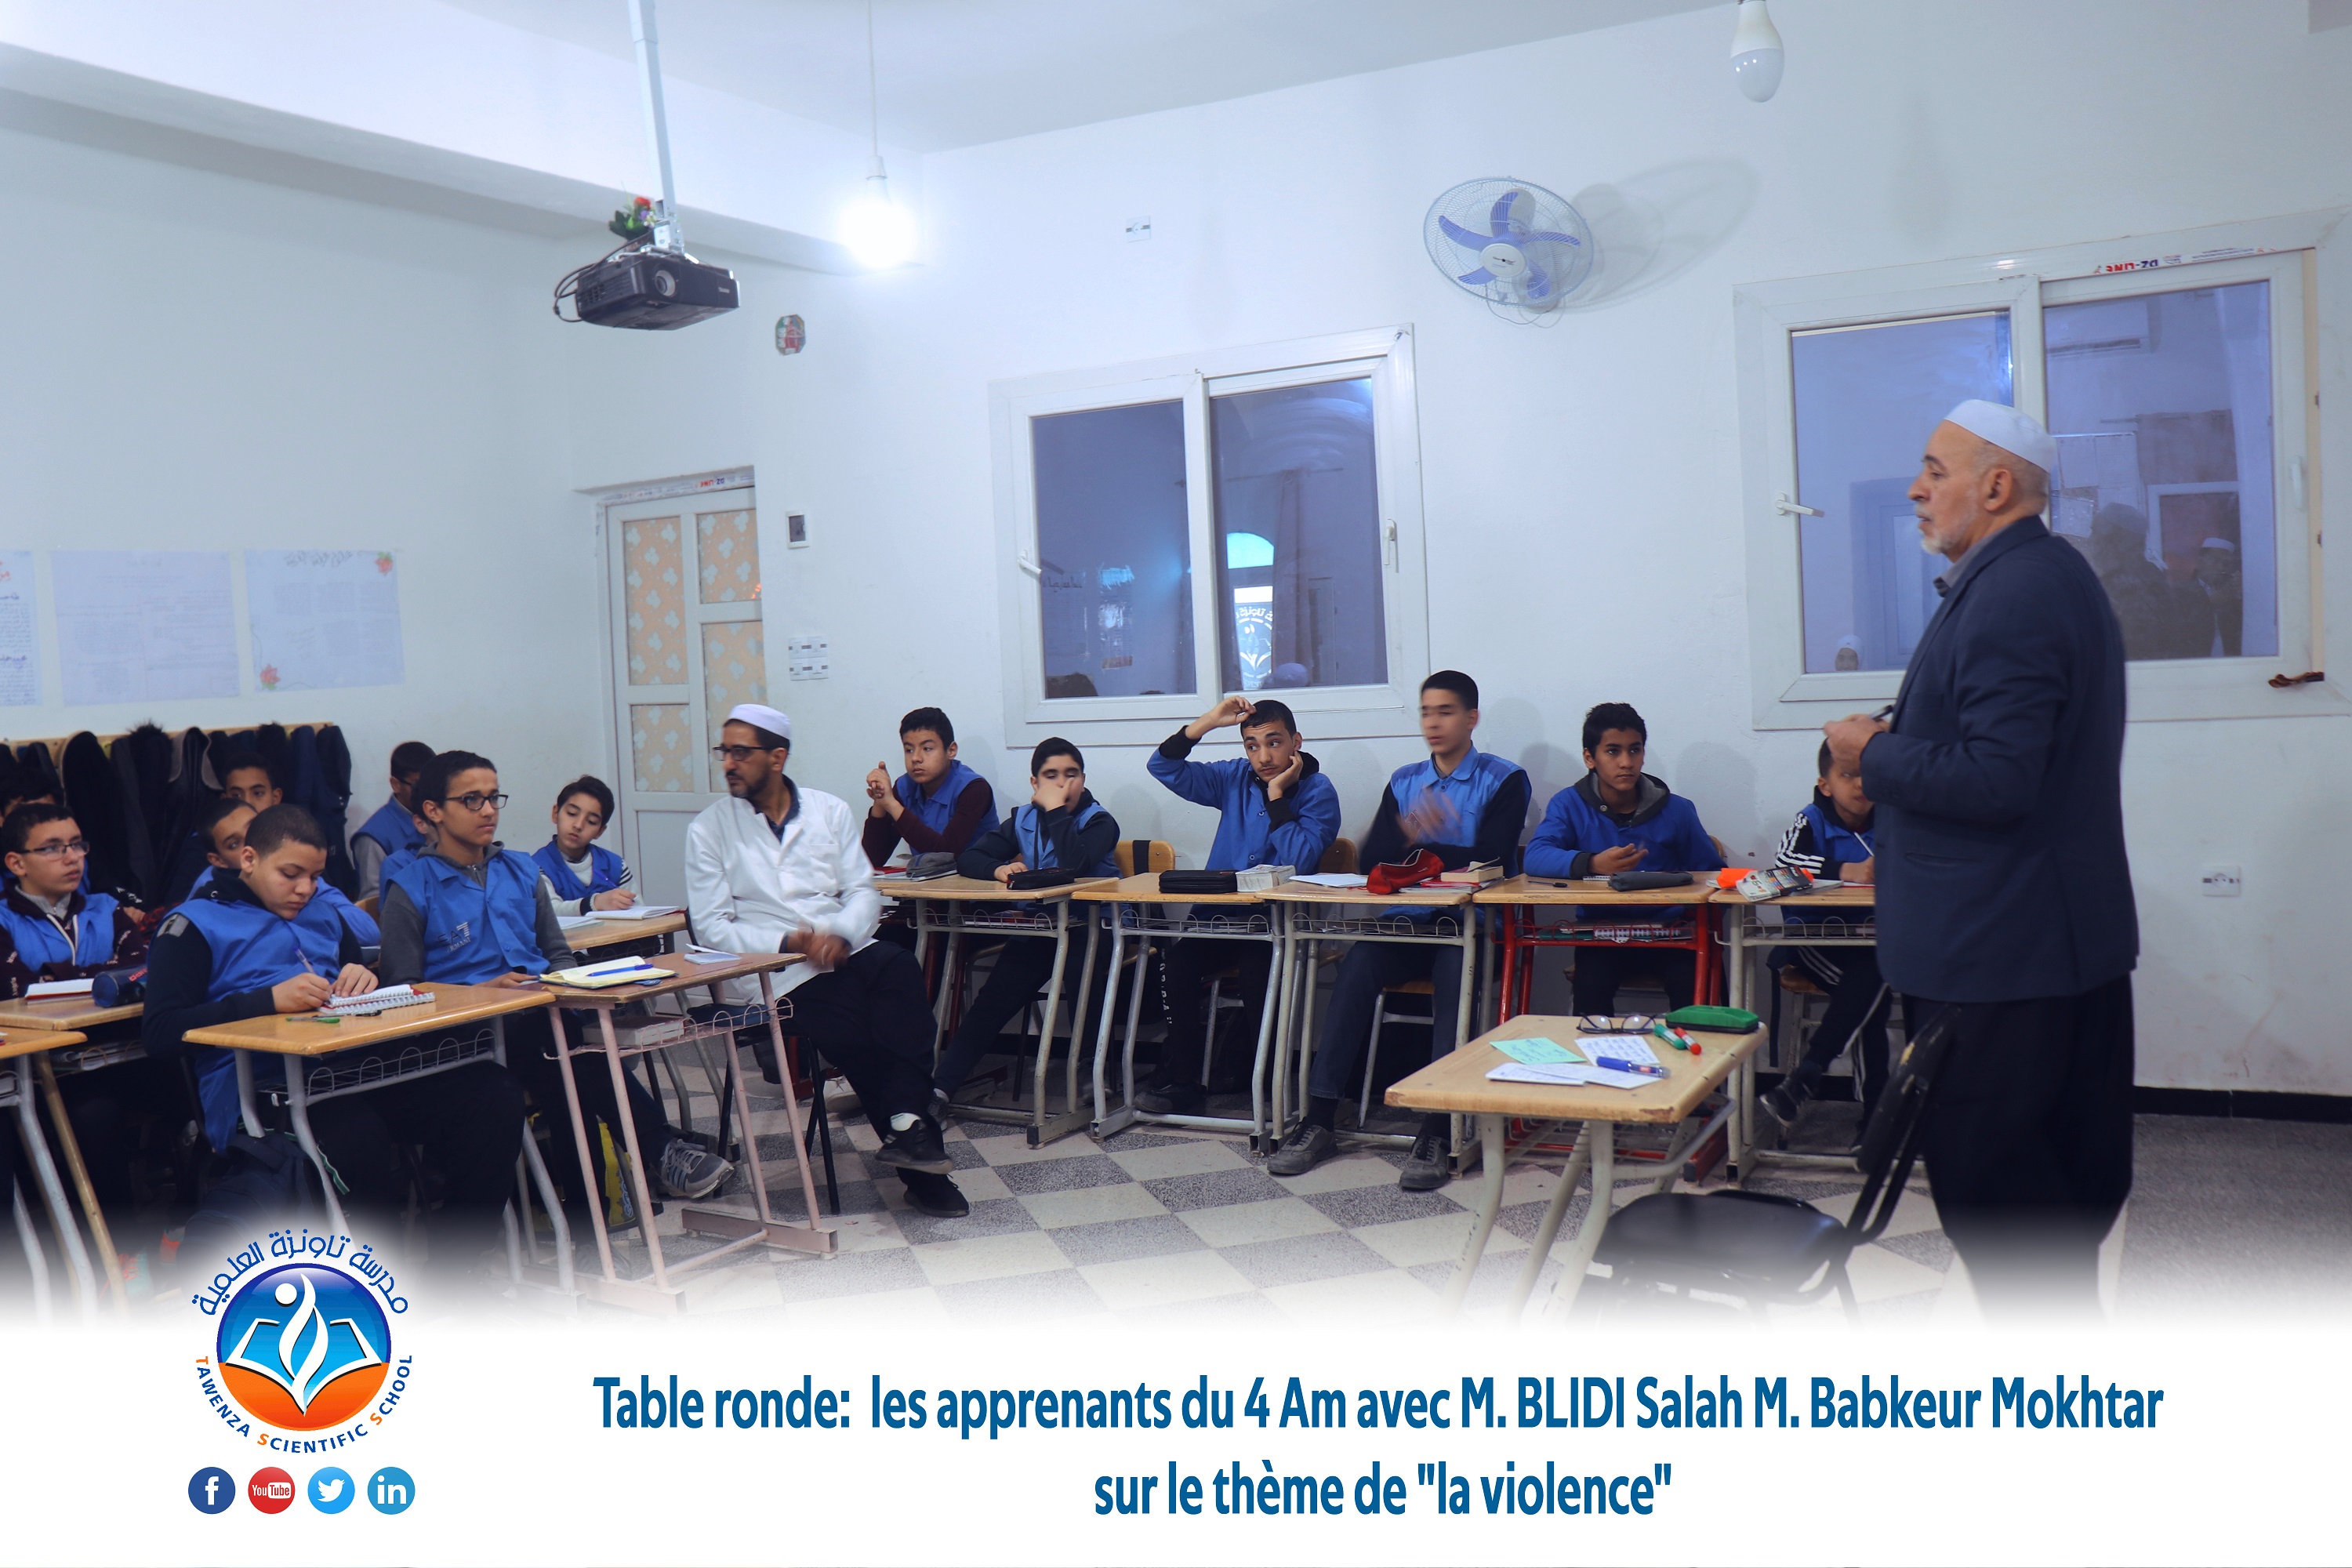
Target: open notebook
383 999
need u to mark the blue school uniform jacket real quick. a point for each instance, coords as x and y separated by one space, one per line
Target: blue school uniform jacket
604 870
1482 805
1251 829
40 945
1577 825
327 906
475 932
252 950
1820 844
391 826
933 810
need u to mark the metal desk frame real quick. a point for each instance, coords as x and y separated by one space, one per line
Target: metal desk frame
1743 937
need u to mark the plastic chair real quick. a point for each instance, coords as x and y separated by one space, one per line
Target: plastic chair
1769 1249
370 905
1159 857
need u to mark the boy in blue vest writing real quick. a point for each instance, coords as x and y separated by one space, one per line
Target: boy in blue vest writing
222 829
259 943
1618 818
938 806
1466 806
392 828
1833 839
582 876
1274 808
473 912
1062 825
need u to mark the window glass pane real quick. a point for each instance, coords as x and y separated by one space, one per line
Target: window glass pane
2161 404
1113 550
727 544
1865 400
1298 527
652 570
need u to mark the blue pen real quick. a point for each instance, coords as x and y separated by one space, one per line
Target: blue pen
1613 1065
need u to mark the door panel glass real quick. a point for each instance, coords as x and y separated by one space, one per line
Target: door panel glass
661 746
652 575
727 547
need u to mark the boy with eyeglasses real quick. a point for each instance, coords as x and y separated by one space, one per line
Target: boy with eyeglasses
473 912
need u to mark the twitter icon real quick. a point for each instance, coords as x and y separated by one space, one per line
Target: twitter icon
330 1491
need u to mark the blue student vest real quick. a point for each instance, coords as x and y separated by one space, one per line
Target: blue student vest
1037 851
396 863
1464 792
252 950
604 870
474 933
1836 840
933 810
327 906
391 826
39 943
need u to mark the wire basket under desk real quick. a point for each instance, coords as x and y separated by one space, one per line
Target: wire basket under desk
331 1074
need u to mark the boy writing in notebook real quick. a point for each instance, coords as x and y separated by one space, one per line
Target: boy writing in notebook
251 946
1833 839
583 876
392 828
221 829
1274 808
1618 818
1062 825
937 806
1464 805
473 912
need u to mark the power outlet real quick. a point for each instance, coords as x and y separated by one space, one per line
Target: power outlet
2222 881
808 658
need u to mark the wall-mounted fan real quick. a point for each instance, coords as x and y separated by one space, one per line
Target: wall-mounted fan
1518 247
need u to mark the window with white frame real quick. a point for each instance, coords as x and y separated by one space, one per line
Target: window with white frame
2176 385
1247 522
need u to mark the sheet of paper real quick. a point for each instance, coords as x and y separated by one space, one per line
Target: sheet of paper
573 922
20 648
142 625
323 619
1535 1050
1634 1049
50 990
1331 879
1572 1074
640 912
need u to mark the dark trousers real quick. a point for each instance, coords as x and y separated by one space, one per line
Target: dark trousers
1023 965
1186 968
1856 1016
529 1047
2028 1141
469 1121
106 1110
1370 968
869 1018
1599 971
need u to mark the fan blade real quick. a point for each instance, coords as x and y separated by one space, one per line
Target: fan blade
1556 238
1499 220
1462 236
1480 275
1538 282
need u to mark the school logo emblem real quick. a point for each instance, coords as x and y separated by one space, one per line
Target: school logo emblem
303 1347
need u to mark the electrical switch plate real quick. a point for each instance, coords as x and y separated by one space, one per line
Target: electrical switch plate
808 658
2222 881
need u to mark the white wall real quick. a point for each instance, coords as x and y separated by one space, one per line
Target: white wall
1586 478
194 362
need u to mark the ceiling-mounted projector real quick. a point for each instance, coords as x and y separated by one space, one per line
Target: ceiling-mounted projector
650 283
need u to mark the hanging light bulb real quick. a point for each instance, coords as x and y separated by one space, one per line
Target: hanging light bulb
878 232
1756 53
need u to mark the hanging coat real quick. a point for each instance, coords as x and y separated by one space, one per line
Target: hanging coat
95 798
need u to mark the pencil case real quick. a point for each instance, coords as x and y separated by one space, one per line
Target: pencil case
1643 881
1199 882
927 868
1716 1020
1048 877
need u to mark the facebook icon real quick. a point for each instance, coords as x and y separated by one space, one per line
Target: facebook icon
211 1489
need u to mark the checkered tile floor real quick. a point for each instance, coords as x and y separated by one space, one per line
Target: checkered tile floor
1166 1225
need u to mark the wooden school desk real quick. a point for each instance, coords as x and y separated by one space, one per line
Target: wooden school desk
957 906
19 1051
1459 1083
1525 900
1134 907
77 1013
656 1293
326 1058
1312 915
654 929
1843 916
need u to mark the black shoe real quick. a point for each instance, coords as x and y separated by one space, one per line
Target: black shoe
1784 1101
937 1197
916 1149
1425 1168
1309 1145
941 1110
1172 1099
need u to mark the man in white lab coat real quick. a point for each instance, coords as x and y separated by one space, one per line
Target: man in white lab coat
778 868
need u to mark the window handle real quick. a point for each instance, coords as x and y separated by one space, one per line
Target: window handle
1028 565
2302 485
1787 507
1389 539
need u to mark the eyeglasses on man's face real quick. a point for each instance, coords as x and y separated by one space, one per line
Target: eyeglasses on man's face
737 754
476 801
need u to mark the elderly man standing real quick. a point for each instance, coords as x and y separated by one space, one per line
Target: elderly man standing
2003 888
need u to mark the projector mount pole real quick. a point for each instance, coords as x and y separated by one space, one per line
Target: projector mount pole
666 235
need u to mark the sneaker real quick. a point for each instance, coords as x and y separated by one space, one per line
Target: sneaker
690 1171
1783 1103
1307 1146
940 1109
937 1197
1425 1168
1172 1099
916 1149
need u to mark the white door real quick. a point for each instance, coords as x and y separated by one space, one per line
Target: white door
686 647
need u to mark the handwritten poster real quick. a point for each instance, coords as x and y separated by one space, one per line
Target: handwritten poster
142 625
20 661
323 619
